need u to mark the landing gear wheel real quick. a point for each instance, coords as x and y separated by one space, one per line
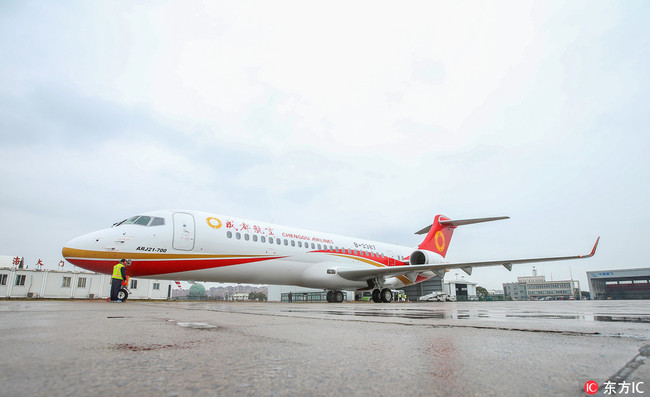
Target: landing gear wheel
330 296
122 295
386 295
338 297
376 296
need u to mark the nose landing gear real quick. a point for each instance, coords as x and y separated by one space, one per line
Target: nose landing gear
122 294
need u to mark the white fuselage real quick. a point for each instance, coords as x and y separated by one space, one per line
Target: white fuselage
199 246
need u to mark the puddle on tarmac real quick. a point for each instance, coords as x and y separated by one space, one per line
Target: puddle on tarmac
197 325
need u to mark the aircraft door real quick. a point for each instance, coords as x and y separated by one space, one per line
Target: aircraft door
391 258
183 231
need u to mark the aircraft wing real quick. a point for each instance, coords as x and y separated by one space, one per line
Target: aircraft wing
440 268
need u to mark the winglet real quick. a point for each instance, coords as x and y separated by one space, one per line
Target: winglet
593 250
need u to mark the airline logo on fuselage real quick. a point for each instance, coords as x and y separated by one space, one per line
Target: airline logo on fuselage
213 222
302 237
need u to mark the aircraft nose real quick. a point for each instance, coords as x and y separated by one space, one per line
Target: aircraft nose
85 251
73 248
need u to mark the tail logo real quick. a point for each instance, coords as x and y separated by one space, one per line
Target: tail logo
439 239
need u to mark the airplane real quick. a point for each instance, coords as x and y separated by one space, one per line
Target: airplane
194 245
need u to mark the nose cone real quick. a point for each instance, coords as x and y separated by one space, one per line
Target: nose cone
85 251
71 248
77 247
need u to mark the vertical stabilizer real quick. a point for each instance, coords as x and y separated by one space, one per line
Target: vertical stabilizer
440 231
438 236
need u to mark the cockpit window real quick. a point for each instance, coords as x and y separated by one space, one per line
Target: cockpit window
142 220
157 221
129 221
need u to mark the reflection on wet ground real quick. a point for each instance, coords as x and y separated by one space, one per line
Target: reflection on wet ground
465 314
625 319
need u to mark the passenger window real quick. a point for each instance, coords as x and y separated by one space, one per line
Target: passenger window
246 237
293 243
277 241
319 247
238 236
270 240
299 244
286 242
229 234
263 239
255 237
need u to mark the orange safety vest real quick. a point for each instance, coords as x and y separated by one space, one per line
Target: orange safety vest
117 271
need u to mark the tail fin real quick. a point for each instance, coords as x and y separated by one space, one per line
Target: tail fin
440 231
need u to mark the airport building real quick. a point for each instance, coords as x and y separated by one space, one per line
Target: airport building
434 284
619 284
35 283
537 287
461 290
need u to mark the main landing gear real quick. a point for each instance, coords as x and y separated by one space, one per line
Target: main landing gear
335 296
384 295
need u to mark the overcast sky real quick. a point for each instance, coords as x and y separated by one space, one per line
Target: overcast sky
358 118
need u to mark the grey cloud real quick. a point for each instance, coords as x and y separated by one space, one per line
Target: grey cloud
51 115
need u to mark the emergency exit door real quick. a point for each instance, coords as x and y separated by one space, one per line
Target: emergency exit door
183 231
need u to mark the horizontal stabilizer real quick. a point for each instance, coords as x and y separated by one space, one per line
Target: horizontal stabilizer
461 222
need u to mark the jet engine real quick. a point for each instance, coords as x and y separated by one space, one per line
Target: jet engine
423 257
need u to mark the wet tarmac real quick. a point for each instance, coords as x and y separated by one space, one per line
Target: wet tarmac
79 348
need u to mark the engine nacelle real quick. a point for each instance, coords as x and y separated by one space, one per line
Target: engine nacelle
424 257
